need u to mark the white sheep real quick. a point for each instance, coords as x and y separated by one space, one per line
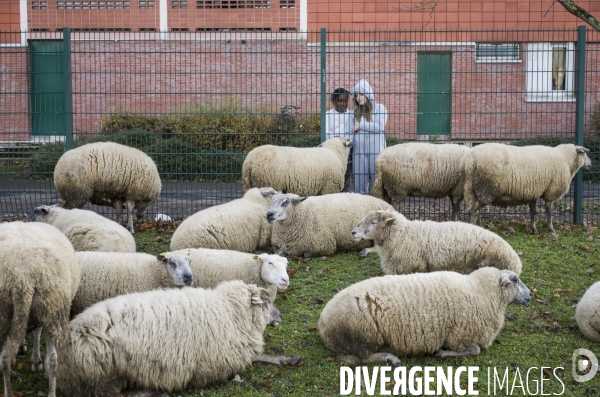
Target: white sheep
319 225
86 230
172 339
305 171
425 246
108 174
210 267
420 170
105 275
38 279
442 313
505 175
587 313
238 225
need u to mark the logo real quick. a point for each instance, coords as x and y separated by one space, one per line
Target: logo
585 365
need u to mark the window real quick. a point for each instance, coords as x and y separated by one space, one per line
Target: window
550 72
230 4
146 5
179 5
93 5
287 3
39 5
497 52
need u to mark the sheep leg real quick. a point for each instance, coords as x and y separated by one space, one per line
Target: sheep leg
278 360
51 363
36 357
22 348
475 213
366 251
130 205
5 359
549 215
144 393
470 351
387 358
455 208
118 210
532 211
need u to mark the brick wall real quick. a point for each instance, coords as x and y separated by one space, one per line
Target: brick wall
10 21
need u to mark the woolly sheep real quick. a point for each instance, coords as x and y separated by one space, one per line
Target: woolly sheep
305 171
238 225
420 170
86 230
38 279
108 174
587 313
319 225
173 339
444 313
105 275
424 246
505 175
210 267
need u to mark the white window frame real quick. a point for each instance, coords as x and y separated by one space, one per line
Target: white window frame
498 59
539 73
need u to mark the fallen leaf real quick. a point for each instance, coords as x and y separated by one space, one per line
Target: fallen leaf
544 325
585 248
283 296
291 272
590 238
521 331
20 366
590 271
512 316
318 301
562 290
330 359
313 328
534 315
542 301
267 384
390 384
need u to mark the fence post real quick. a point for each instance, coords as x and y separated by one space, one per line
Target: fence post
67 81
323 80
579 124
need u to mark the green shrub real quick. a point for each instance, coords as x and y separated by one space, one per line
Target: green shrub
594 123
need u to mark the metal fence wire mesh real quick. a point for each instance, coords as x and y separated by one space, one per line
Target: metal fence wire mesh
198 102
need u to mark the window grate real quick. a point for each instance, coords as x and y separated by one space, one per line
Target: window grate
497 52
39 5
232 4
287 3
93 5
179 5
147 5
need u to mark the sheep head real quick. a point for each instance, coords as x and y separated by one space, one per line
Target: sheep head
274 270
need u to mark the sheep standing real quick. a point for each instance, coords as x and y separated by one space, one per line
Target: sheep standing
420 170
306 171
86 230
319 225
505 175
38 279
105 275
108 174
424 246
211 267
587 313
238 225
173 339
441 313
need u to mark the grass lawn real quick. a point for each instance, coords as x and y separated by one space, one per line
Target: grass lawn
557 268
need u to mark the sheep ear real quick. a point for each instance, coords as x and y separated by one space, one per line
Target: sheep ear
162 257
297 200
387 218
256 257
504 281
256 300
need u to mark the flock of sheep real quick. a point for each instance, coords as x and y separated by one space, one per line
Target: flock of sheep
121 322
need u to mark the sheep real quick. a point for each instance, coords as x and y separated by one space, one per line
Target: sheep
105 275
108 174
444 313
420 170
319 225
171 339
210 267
238 225
305 171
587 313
505 175
424 246
86 230
38 279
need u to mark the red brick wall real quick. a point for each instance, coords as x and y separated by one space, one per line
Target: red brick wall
10 21
14 100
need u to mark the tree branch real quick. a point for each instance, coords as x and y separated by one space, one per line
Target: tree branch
580 13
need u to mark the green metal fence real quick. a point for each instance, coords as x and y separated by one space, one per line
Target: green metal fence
198 102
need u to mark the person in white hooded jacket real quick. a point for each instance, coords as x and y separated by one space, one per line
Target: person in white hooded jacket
338 123
369 122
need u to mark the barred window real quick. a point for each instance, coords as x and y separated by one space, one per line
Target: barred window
39 5
232 4
496 52
179 5
287 3
93 5
146 5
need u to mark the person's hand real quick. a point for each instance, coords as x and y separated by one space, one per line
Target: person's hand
355 128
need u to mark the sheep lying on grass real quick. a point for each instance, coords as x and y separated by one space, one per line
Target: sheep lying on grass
424 246
108 174
319 225
505 175
210 267
238 225
420 170
38 279
86 230
306 171
105 275
173 339
442 313
587 313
